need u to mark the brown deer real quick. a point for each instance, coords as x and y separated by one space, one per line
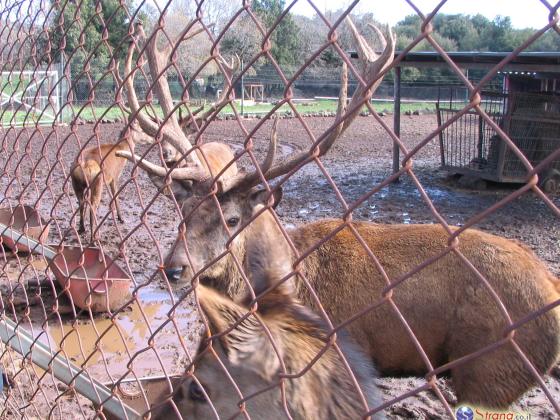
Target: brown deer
99 165
449 309
326 391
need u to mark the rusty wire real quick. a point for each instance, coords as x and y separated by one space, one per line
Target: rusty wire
124 345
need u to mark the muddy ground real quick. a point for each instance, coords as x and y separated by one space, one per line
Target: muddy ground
359 161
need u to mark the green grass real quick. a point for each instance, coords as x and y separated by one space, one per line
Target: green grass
324 105
8 118
94 113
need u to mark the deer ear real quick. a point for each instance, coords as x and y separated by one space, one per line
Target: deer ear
180 189
269 261
261 196
247 345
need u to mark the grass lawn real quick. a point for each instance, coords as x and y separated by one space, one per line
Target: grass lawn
89 113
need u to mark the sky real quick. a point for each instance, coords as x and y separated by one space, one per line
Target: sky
523 13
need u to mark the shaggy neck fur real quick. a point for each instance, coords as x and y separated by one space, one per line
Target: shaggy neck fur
326 391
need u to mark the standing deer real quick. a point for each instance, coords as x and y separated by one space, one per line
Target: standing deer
448 308
99 165
246 352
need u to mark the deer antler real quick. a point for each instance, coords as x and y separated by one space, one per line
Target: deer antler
193 173
371 65
176 131
171 130
228 70
149 126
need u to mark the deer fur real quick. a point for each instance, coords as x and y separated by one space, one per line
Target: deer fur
326 391
93 168
108 158
447 307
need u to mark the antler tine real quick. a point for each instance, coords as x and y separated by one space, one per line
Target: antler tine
380 35
117 74
157 62
235 62
372 65
149 126
118 78
272 147
192 173
243 181
228 71
325 145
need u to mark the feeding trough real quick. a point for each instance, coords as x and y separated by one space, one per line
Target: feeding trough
24 219
89 278
156 389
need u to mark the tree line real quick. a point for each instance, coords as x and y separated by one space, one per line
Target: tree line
90 32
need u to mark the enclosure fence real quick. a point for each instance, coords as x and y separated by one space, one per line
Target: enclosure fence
94 322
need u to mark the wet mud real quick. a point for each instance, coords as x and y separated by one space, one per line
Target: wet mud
143 337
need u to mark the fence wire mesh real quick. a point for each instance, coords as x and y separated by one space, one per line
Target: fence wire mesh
195 291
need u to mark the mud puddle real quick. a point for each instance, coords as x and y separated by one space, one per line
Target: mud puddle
145 335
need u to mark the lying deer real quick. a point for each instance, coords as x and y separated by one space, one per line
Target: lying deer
446 305
326 391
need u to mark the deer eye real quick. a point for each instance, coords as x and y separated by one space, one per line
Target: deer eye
233 221
196 393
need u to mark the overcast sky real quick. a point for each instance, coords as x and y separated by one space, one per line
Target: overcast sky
523 13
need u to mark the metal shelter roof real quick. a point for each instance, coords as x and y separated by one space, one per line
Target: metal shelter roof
548 62
544 62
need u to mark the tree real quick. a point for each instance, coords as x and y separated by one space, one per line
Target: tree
459 29
286 44
80 27
242 39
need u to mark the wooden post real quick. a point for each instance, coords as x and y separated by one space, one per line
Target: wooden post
397 117
242 90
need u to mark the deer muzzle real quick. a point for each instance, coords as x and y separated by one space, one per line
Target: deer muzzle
173 274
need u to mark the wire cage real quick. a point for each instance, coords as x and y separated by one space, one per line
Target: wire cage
471 146
209 289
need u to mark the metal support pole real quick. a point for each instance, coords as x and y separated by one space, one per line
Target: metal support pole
397 118
242 89
22 341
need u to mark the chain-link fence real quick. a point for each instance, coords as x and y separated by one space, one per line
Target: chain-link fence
166 261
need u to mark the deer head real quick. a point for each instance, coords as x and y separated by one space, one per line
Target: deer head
242 347
212 225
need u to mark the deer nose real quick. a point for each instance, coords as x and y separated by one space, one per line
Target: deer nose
173 274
